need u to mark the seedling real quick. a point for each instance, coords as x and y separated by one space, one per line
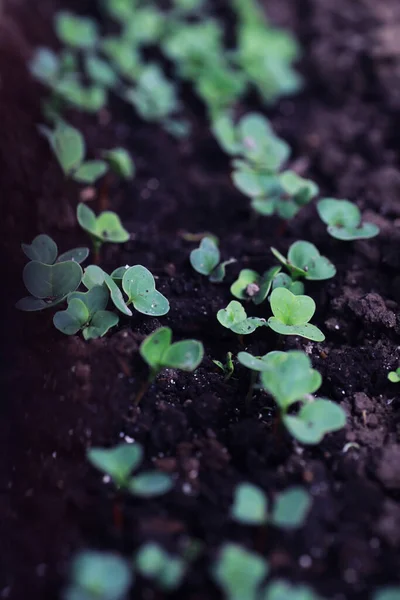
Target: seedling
228 367
120 162
205 260
238 572
344 220
49 284
282 280
99 71
305 261
283 590
394 376
99 576
86 312
251 286
234 317
292 314
95 276
140 287
90 98
78 32
387 593
154 563
289 378
107 227
119 462
44 249
68 146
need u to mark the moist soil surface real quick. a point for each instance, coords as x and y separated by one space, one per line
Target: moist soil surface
63 395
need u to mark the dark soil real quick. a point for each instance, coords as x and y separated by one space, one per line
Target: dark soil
63 395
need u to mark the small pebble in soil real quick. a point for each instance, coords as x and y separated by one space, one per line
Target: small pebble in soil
305 561
106 479
128 439
187 488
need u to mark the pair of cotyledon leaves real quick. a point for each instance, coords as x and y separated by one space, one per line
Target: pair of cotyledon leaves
343 219
159 352
206 260
106 227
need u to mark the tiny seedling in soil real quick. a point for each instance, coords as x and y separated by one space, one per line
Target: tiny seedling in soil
290 379
165 570
158 351
99 576
238 572
206 260
120 162
119 462
44 249
107 227
228 367
289 510
86 312
305 261
344 220
234 317
394 376
252 286
292 315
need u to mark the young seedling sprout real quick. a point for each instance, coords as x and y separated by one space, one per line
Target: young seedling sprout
206 260
251 286
107 227
234 317
394 376
118 464
305 261
290 379
228 367
343 219
289 510
292 315
158 351
165 570
239 573
98 576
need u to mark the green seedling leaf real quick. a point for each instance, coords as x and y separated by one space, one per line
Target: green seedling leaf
250 505
100 72
251 286
94 275
185 355
206 257
259 143
76 31
78 255
394 376
90 98
45 65
387 593
150 484
117 462
291 508
228 367
234 317
43 249
254 363
291 315
306 257
239 572
153 562
100 324
224 129
120 162
282 590
139 285
67 144
314 420
155 346
285 281
90 171
289 377
301 190
31 304
52 282
100 576
106 227
344 220
73 319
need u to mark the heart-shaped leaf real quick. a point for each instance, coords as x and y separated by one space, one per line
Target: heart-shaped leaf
100 324
150 484
185 355
290 309
117 462
284 280
94 299
291 508
94 276
314 420
250 505
73 319
154 347
238 572
106 227
306 256
43 249
206 257
246 282
138 283
52 281
339 213
90 171
234 317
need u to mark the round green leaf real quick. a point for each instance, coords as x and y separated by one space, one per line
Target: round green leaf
90 171
238 572
76 31
94 299
109 228
239 288
205 258
291 508
185 355
290 309
78 255
100 71
339 213
233 314
100 324
72 320
306 257
155 345
150 484
121 162
101 575
250 505
138 283
117 462
314 420
308 331
52 281
254 363
43 249
69 146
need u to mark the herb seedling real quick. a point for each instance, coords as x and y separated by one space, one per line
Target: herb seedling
292 314
344 220
158 351
154 563
238 572
78 32
120 162
119 462
86 312
282 280
305 261
228 367
394 376
95 276
289 378
234 317
106 227
98 576
251 286
44 249
99 71
205 260
289 511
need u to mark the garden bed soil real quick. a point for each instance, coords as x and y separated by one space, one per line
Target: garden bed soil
63 395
